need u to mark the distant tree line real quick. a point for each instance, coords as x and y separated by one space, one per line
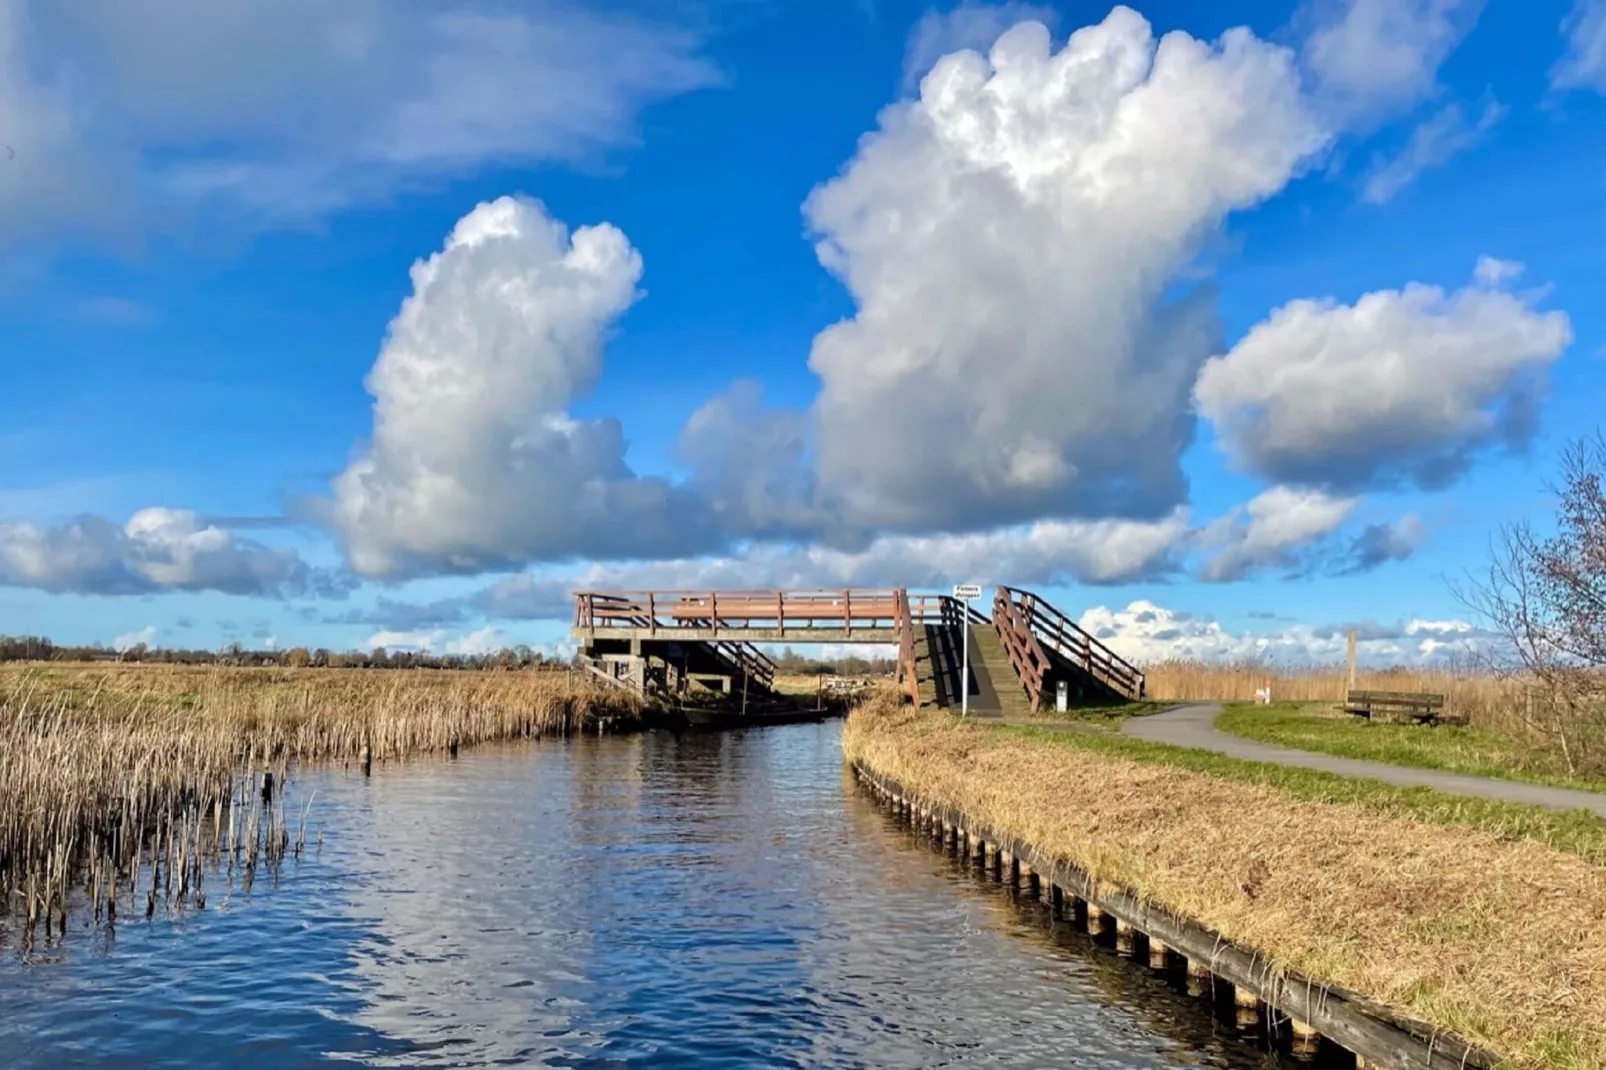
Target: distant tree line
791 663
38 648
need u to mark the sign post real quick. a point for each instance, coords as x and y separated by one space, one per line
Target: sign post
965 592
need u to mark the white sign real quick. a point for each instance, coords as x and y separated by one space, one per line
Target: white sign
967 590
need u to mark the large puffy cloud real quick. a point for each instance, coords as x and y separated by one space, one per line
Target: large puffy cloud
1371 58
1014 239
1584 64
156 550
475 462
1402 386
968 25
290 107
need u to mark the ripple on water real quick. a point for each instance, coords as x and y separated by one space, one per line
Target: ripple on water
716 899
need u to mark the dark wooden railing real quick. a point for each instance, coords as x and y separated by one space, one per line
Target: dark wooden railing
908 676
846 609
1030 628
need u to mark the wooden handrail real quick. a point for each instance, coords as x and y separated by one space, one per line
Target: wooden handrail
1032 624
906 644
1026 654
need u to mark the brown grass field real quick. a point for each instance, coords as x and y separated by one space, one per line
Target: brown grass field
1500 940
108 769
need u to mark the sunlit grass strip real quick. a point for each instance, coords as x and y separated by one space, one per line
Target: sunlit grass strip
106 774
1495 938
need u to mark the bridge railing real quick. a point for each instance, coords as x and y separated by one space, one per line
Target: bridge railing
753 662
835 613
844 609
1029 627
746 658
903 616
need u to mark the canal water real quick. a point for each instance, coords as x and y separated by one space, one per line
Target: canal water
712 900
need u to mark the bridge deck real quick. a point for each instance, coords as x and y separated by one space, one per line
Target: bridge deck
745 634
868 615
1034 646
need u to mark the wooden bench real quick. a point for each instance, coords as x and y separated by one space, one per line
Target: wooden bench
1404 707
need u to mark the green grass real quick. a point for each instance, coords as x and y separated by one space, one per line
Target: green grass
1578 832
1451 748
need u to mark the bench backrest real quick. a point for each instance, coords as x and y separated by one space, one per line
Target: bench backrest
1422 699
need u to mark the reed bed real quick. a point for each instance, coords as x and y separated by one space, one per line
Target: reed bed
1498 940
121 784
1489 701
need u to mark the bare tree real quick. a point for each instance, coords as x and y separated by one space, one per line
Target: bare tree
1546 598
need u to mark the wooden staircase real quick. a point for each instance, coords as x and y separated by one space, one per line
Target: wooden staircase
996 690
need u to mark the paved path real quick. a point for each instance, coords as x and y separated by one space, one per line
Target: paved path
1193 726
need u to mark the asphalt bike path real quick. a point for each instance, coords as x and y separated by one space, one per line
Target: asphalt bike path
1194 726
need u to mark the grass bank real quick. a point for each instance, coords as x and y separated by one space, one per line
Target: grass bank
108 769
1497 939
1452 748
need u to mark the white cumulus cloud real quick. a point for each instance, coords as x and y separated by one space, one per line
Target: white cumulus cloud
437 640
966 26
475 461
156 550
1146 633
1403 386
1269 531
1014 240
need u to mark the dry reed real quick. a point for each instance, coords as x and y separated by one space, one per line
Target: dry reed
120 782
1488 701
1500 941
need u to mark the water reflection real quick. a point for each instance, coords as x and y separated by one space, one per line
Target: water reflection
713 899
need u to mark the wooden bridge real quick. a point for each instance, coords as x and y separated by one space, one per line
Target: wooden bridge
675 642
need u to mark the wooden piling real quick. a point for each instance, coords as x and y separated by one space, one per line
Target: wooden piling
1006 867
1125 937
1319 1016
1247 1008
1307 1042
1199 979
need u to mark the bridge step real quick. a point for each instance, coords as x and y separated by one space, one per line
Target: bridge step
996 690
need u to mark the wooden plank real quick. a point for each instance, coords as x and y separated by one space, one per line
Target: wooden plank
1412 698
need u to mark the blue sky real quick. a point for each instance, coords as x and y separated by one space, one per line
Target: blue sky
1134 318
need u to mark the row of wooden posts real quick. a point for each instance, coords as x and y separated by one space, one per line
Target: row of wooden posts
1377 1045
